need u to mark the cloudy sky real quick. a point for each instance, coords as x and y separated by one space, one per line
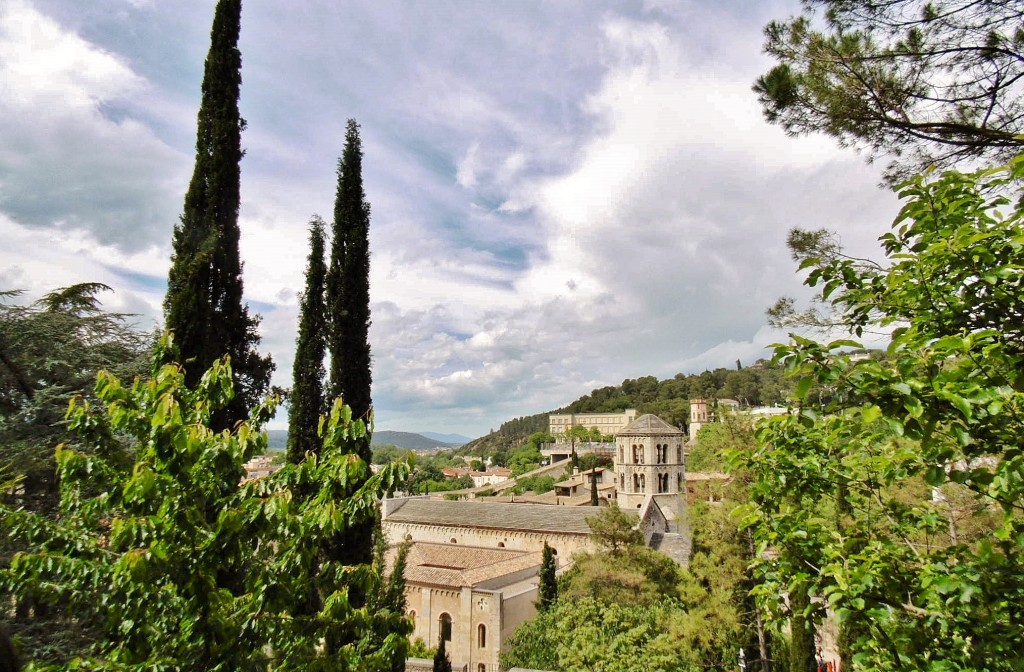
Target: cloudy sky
564 194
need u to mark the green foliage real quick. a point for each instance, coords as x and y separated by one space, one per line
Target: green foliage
524 459
390 453
588 634
547 587
614 529
442 663
931 83
348 310
179 566
635 608
203 306
306 401
535 484
419 649
631 575
590 461
50 352
715 439
853 497
348 283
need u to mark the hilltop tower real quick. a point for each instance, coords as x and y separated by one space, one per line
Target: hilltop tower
698 416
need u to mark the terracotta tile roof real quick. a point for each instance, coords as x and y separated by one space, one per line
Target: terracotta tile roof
530 517
457 566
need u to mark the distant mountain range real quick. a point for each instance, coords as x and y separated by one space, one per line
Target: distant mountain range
277 439
414 441
447 438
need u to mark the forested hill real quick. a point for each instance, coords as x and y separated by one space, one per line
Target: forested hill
669 399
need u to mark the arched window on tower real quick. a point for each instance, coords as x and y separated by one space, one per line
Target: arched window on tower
636 482
481 636
445 621
643 483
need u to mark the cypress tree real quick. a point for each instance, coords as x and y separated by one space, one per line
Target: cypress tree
547 587
306 403
348 310
348 284
442 663
594 501
203 306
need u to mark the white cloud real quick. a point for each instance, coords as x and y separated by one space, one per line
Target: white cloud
73 156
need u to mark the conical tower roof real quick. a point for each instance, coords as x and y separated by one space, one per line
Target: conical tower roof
648 425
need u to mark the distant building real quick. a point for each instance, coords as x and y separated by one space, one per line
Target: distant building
259 467
490 477
607 423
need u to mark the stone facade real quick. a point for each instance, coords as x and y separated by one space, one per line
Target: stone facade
649 460
608 423
472 569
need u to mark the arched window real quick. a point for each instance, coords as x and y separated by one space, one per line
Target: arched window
636 482
445 621
501 544
454 541
412 614
481 636
481 668
621 454
622 481
643 483
679 482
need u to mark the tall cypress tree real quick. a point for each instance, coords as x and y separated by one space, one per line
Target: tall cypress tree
348 310
306 403
348 283
203 306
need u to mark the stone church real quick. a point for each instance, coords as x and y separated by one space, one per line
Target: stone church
471 574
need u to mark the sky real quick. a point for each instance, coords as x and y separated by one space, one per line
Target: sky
564 194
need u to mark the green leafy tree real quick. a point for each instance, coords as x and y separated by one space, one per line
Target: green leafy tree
203 305
931 83
50 352
179 565
587 634
547 587
634 575
614 529
899 501
306 402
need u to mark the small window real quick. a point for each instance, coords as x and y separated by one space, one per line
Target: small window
481 668
481 636
501 544
445 621
454 541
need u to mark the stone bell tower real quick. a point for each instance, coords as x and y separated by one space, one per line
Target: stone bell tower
649 461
